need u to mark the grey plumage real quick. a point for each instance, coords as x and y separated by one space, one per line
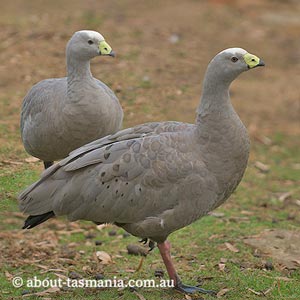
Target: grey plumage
59 115
155 178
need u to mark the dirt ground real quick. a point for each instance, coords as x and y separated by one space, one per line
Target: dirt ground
163 48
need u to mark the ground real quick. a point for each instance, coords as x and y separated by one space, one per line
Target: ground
163 48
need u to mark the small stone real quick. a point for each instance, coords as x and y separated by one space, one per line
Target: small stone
74 275
25 292
118 89
146 78
90 235
269 265
132 289
159 273
98 243
133 249
112 233
99 276
126 234
174 38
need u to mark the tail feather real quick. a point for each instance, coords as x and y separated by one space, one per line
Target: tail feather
33 221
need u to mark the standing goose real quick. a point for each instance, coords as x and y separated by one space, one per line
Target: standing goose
61 114
154 178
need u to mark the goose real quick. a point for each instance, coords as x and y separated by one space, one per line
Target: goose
154 178
59 115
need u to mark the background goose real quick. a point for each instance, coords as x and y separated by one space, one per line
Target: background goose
62 114
154 178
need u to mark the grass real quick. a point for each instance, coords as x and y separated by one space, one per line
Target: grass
198 249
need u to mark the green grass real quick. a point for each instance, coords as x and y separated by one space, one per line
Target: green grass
196 255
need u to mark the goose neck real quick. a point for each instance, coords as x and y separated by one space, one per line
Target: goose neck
215 97
78 70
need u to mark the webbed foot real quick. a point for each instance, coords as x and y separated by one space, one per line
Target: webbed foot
189 289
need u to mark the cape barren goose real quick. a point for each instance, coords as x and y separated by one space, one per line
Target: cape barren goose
154 178
61 114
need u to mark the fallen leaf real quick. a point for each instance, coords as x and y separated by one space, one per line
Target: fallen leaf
223 260
261 167
216 214
254 292
31 159
247 212
101 226
8 275
284 196
269 289
222 292
297 261
12 162
44 293
140 296
216 236
231 248
63 277
221 266
130 270
104 257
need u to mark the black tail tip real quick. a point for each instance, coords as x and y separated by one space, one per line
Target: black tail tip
33 221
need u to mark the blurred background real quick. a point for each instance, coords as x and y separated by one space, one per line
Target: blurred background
163 48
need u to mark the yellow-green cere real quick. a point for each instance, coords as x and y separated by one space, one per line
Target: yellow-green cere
104 48
251 60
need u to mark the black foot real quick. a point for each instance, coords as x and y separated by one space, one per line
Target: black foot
151 244
47 164
189 289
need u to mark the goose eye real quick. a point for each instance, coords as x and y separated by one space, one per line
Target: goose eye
234 59
90 42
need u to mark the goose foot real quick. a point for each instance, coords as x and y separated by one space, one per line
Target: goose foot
150 243
189 289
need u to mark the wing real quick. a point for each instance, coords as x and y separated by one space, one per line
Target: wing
117 171
139 131
36 116
40 95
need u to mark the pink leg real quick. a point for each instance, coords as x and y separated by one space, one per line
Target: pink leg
164 249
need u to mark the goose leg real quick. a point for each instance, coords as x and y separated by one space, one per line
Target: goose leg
164 249
48 164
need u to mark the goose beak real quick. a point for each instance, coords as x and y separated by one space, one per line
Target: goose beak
253 61
261 63
112 53
105 49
